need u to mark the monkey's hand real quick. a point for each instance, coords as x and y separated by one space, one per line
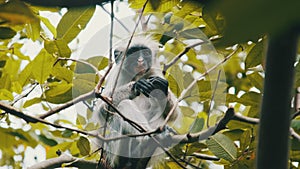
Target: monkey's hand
159 83
145 86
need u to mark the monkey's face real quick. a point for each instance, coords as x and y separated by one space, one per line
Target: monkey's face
138 60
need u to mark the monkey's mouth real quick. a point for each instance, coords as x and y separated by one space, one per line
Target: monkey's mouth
140 70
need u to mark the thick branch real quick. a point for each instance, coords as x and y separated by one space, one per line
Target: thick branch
275 117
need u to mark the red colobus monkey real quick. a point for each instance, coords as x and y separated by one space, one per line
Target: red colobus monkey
141 95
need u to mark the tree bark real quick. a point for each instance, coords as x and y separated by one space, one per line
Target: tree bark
273 144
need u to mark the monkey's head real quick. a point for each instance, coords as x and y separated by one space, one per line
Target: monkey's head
139 58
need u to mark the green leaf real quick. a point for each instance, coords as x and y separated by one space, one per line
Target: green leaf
91 127
62 73
187 111
154 5
241 16
51 153
33 30
230 98
213 20
16 87
100 62
83 145
26 74
58 47
80 120
73 22
17 12
6 95
197 125
83 83
175 79
67 133
194 33
48 24
11 137
32 102
6 33
57 88
83 68
222 147
256 80
296 124
254 57
64 96
42 64
47 141
250 99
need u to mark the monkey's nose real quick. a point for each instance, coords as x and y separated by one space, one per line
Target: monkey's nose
140 61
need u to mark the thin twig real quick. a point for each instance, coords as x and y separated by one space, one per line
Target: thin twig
120 22
80 61
80 98
176 58
206 157
131 122
101 80
188 163
212 98
112 15
127 47
24 95
254 121
245 119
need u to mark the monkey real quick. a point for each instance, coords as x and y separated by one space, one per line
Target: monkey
142 95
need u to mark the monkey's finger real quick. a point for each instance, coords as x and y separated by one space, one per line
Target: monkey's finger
145 84
158 81
144 87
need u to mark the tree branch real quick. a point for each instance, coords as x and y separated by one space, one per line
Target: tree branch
206 157
80 98
184 51
127 47
80 61
66 3
64 158
120 22
204 134
31 119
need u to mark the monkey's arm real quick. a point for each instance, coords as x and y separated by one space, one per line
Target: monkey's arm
123 92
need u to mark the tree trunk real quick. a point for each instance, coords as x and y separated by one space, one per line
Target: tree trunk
273 145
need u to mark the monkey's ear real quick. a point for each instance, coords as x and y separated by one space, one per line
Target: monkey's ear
118 54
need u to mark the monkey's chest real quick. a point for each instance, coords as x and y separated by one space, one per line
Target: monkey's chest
151 108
